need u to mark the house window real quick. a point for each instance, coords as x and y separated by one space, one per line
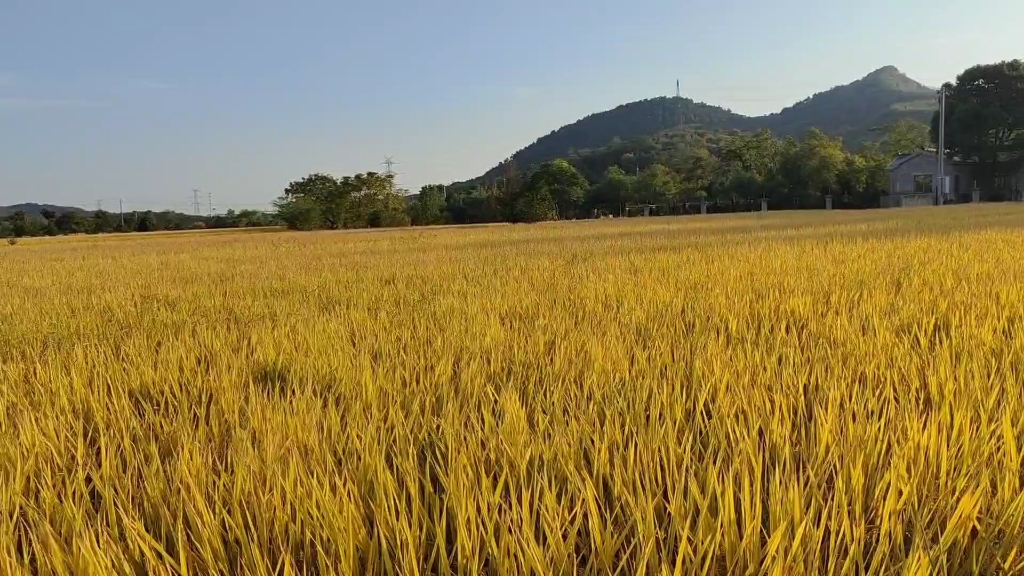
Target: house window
922 183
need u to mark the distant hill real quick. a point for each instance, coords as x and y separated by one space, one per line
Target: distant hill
854 112
643 118
33 209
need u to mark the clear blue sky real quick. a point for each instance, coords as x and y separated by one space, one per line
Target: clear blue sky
146 100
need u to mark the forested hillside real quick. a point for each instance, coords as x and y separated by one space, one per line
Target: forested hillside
643 118
857 112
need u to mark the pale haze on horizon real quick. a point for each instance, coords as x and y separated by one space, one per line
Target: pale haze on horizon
145 101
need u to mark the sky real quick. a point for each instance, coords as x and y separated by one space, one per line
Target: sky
144 101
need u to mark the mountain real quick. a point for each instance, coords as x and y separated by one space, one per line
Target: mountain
855 112
33 209
628 121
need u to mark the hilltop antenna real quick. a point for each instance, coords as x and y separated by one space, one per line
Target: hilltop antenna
678 93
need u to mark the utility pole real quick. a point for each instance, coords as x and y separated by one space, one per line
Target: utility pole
195 201
942 144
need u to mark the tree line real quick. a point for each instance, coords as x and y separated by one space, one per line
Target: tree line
730 175
49 222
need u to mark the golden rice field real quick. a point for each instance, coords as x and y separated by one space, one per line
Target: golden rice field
802 393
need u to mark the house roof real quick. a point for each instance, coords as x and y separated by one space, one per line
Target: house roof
903 159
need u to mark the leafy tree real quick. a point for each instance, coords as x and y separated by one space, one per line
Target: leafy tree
299 212
375 201
145 223
103 222
535 204
657 185
503 207
19 224
699 173
70 223
331 198
562 183
48 215
251 219
429 206
613 192
906 136
985 119
823 160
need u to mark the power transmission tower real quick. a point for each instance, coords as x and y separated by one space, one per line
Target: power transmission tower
389 170
195 201
99 205
209 203
120 208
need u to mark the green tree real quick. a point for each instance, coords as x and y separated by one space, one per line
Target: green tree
429 206
325 201
299 212
376 201
906 136
822 161
535 204
19 224
251 219
657 185
70 223
985 119
103 222
146 223
613 192
560 181
698 173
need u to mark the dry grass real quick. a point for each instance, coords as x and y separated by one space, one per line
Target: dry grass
787 394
